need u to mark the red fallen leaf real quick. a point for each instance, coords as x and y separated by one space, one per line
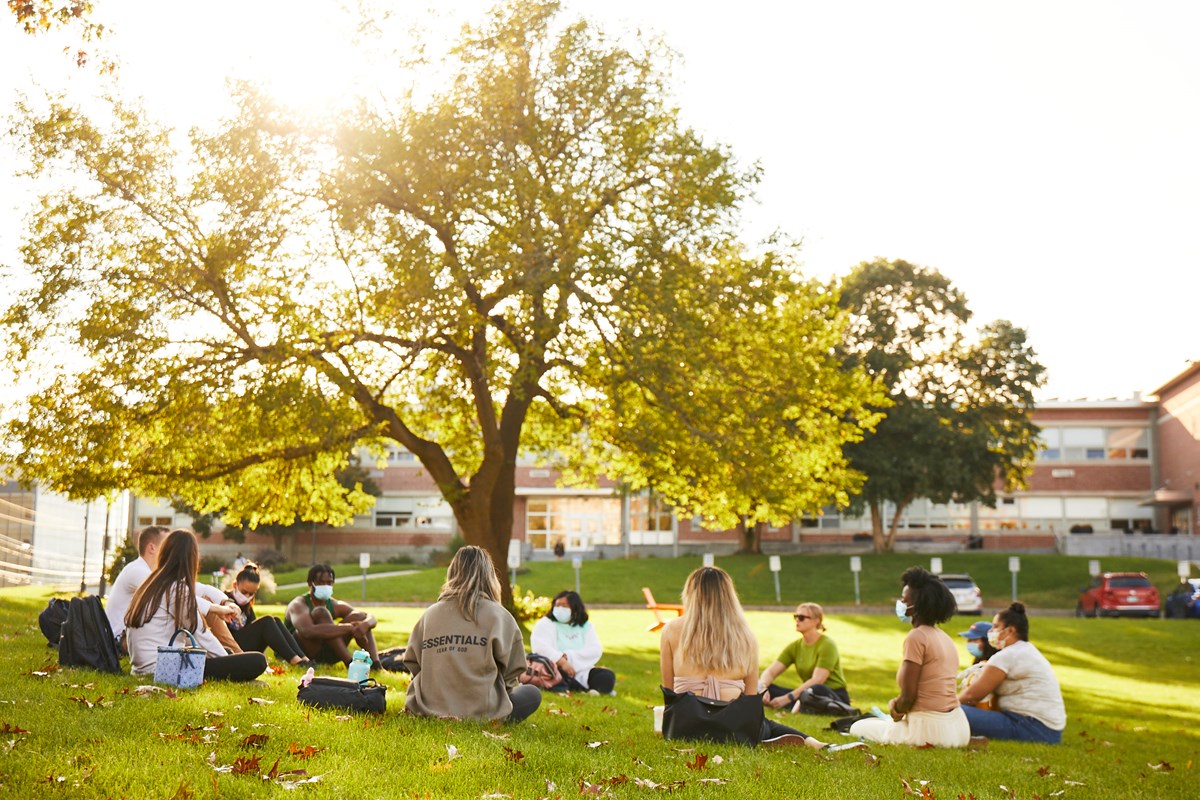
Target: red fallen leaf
277 670
171 695
591 788
1161 766
612 712
308 751
254 740
515 756
1044 772
184 792
12 729
273 772
699 763
83 701
617 781
967 796
241 766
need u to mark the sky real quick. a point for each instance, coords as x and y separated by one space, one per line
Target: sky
1044 156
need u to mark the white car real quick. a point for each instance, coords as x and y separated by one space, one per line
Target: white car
966 593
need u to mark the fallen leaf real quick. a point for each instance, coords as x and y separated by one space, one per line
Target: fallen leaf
147 689
716 781
717 760
1161 766
594 745
551 786
645 783
495 796
451 752
1012 795
612 712
555 710
1074 783
260 701
275 669
698 763
637 760
515 756
591 788
184 792
242 766
618 780
289 783
308 751
343 717
1044 772
500 736
7 728
254 740
213 713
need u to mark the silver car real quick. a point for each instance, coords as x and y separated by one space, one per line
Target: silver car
966 593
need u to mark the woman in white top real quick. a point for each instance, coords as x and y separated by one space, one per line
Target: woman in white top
1026 699
166 602
566 637
711 651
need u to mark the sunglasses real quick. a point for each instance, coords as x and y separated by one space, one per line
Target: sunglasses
800 617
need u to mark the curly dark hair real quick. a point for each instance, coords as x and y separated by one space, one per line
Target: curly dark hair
932 601
1014 617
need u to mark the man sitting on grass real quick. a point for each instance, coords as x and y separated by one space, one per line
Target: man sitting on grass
313 618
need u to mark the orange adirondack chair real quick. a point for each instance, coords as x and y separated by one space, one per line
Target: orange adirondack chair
656 607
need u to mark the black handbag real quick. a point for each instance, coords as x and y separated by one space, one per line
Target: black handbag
344 694
689 716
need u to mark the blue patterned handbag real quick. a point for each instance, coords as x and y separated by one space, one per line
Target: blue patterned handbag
180 666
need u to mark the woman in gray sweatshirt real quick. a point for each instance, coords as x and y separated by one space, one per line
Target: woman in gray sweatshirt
466 653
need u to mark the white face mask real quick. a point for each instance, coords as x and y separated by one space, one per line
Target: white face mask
241 599
561 614
323 592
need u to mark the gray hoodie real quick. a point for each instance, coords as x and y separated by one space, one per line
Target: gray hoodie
461 668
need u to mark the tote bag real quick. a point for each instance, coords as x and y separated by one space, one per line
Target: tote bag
689 716
180 666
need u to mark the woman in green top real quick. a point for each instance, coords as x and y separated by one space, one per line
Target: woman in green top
817 662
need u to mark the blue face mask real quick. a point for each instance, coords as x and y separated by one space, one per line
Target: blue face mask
323 592
974 649
561 614
902 612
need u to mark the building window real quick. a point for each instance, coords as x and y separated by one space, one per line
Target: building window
1094 444
162 522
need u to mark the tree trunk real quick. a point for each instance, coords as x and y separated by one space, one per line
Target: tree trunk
880 543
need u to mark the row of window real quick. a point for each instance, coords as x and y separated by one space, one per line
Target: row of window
1094 443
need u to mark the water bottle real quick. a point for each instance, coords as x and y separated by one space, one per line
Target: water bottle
360 666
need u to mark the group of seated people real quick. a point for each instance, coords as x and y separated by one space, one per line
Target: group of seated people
466 653
157 595
1011 691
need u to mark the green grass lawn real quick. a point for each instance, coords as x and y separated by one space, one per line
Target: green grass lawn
1045 581
1132 690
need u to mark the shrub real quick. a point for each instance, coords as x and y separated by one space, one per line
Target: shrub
211 564
272 560
529 607
400 558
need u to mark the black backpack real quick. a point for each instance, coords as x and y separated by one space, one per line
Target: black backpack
52 618
87 638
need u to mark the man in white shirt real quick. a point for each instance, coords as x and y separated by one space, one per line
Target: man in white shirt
135 573
132 576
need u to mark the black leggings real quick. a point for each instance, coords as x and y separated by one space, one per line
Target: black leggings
771 729
775 690
238 667
601 679
267 632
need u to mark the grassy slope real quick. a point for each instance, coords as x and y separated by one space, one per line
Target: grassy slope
1045 581
1131 686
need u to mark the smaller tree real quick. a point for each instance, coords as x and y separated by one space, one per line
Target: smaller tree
958 427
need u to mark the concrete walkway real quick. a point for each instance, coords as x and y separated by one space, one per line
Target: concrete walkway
359 577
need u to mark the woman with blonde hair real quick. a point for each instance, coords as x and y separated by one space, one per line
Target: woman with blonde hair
711 651
166 603
465 652
818 665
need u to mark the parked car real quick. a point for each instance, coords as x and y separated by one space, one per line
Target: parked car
1183 601
1118 594
966 593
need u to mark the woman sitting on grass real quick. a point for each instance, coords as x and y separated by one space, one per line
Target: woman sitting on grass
252 632
1027 699
465 653
166 602
926 712
817 662
566 637
711 651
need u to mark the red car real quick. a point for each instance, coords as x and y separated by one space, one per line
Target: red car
1118 594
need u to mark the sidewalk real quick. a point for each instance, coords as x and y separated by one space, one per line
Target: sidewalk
347 579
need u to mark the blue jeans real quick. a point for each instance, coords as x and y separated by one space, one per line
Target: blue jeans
1007 725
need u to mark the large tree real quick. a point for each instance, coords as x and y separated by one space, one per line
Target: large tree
958 426
446 270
